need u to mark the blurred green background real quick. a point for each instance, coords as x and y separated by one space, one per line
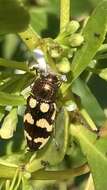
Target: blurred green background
44 18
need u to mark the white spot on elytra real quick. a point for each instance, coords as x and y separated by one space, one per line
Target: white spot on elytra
44 107
44 124
41 140
27 136
29 118
54 113
32 102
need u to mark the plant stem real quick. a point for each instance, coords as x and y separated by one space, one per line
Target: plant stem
88 119
18 182
64 13
7 184
14 180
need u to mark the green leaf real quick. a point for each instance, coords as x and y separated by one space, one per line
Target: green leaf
15 158
94 34
2 182
4 75
13 17
30 38
51 152
16 83
11 99
89 101
75 157
10 45
9 124
13 64
95 151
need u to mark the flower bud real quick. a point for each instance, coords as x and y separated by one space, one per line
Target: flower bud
76 40
72 27
55 50
64 65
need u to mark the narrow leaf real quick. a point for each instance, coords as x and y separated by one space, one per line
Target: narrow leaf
16 83
30 38
94 34
13 64
11 99
95 152
89 101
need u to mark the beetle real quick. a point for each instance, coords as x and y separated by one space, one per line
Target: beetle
40 112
